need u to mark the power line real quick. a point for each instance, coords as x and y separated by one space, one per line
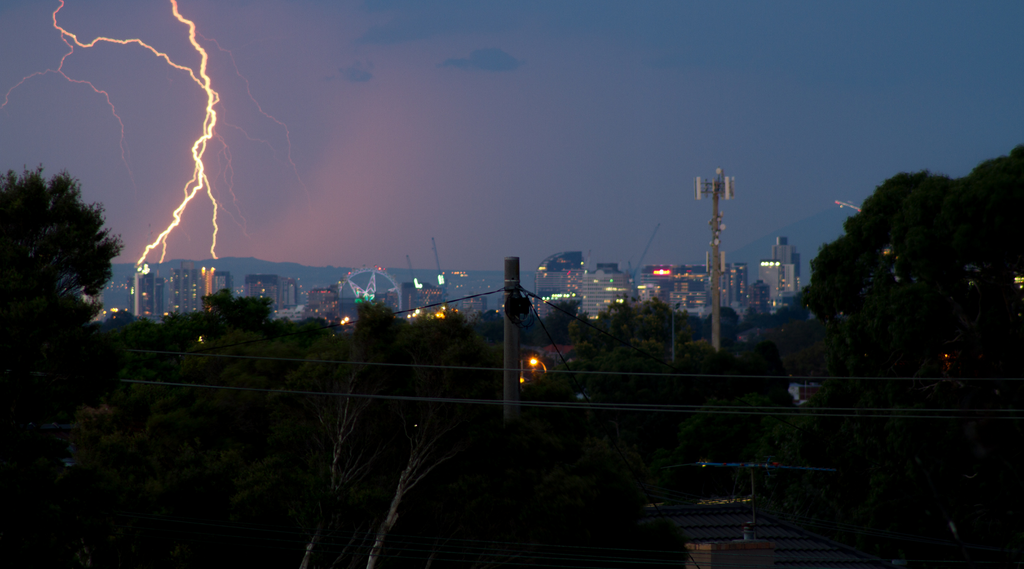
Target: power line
583 392
550 371
881 413
585 322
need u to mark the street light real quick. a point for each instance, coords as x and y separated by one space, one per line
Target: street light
533 362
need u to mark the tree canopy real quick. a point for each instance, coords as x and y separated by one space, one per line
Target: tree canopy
926 283
54 259
927 278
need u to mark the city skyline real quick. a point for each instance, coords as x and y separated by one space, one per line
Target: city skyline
382 125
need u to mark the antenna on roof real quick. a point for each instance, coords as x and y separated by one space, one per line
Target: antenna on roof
768 465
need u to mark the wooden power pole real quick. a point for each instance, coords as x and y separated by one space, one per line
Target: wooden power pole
511 373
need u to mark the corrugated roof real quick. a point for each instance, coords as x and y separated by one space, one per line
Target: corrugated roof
794 546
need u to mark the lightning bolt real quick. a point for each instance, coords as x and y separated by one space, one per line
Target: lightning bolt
60 71
199 182
287 133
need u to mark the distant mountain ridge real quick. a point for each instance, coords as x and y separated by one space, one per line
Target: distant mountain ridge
808 235
241 266
463 283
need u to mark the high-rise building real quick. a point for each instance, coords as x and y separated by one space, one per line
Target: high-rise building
657 281
222 280
186 288
323 303
429 294
603 287
738 285
782 272
477 304
288 292
760 299
770 273
690 288
786 254
410 295
146 293
206 276
558 278
263 286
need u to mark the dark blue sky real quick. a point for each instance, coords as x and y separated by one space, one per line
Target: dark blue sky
516 128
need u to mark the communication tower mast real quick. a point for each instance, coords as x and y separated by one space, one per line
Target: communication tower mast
719 186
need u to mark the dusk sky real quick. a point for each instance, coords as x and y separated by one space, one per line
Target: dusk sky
502 128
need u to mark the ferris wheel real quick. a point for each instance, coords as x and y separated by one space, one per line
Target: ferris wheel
366 285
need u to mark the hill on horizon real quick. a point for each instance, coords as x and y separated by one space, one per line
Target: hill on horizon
807 234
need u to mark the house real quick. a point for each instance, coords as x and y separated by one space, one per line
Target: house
716 540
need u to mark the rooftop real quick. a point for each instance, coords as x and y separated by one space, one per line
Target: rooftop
794 546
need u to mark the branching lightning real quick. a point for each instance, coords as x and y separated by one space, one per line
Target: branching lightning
60 71
200 181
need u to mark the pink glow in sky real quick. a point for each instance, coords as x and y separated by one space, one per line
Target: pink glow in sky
517 128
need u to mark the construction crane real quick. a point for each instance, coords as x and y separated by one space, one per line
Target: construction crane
633 272
412 275
440 275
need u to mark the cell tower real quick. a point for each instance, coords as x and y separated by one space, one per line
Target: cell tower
719 186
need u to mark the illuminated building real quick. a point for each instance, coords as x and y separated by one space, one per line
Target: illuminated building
785 281
186 288
429 294
770 272
760 299
214 280
733 285
222 280
323 303
558 278
288 292
390 299
478 304
648 292
263 286
603 287
206 276
782 272
690 287
738 285
785 253
658 281
146 293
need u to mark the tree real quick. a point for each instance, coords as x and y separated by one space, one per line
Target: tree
926 283
555 328
926 280
54 260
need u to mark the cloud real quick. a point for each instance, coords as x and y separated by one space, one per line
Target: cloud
417 20
487 59
358 72
355 74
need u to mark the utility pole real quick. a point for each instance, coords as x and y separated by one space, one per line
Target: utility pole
718 186
511 373
673 309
